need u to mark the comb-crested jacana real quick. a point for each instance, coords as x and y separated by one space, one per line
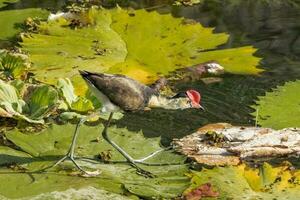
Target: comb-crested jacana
121 93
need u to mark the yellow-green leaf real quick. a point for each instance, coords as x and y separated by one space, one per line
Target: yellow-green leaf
280 108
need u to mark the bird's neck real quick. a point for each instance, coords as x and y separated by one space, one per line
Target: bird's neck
166 103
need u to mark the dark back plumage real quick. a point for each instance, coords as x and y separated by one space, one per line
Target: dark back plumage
128 94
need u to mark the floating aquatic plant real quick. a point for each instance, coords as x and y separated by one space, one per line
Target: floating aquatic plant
120 178
13 65
267 182
97 48
11 20
279 108
37 102
75 103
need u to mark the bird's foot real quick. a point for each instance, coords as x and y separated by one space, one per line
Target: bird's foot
141 160
141 171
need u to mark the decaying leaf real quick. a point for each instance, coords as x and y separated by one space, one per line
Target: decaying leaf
204 190
238 143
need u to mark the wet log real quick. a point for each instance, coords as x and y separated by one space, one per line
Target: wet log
224 144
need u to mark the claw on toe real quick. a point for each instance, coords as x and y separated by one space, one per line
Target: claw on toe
145 173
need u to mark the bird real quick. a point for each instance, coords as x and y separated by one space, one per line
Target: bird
119 93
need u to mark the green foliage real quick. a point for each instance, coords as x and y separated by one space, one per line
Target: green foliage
161 43
53 142
139 44
41 101
37 104
11 20
280 108
240 182
75 103
9 155
10 101
52 50
13 65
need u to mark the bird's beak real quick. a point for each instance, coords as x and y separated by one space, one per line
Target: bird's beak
201 107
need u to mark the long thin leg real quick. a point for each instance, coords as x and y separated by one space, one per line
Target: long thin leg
105 136
119 149
70 153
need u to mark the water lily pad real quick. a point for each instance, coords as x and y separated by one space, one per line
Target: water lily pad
37 103
23 185
245 183
161 43
280 108
53 142
58 50
11 20
119 41
87 193
9 155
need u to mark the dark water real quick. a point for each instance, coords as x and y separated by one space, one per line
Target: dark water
271 26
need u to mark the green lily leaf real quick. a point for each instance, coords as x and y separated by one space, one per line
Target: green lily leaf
11 20
265 183
12 64
53 142
52 51
280 108
75 103
82 105
119 41
9 155
37 104
165 43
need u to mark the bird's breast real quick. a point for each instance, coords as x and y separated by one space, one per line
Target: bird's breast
107 105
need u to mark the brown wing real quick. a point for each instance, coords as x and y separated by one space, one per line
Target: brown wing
124 92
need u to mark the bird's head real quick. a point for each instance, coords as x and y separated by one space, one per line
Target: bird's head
189 99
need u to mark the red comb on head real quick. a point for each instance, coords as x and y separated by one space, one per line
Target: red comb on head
194 96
